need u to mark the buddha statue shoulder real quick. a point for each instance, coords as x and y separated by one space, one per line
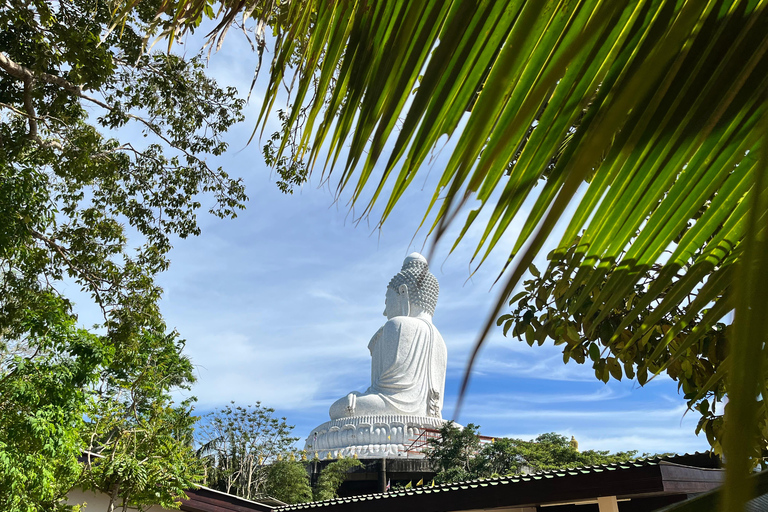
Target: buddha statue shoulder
408 354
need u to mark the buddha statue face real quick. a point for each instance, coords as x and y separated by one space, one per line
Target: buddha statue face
396 302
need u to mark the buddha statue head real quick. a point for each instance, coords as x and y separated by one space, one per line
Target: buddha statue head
413 291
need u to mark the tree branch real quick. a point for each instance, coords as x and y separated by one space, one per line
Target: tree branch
25 74
30 108
88 276
28 76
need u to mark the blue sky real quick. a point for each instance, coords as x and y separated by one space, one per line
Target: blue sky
279 304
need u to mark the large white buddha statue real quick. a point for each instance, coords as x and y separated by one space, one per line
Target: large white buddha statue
408 355
408 361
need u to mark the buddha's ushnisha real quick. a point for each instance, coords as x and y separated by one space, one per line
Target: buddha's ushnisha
408 355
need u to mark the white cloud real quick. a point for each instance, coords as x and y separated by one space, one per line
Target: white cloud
564 414
502 397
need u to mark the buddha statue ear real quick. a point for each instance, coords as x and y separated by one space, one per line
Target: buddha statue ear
404 300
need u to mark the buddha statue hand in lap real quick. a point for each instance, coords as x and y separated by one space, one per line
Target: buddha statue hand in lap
408 355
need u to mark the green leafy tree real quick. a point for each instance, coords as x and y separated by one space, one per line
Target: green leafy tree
454 453
617 342
43 405
70 192
139 449
547 452
458 454
288 481
73 190
331 478
237 445
249 452
76 397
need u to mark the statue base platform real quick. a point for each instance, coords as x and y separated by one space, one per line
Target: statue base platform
369 437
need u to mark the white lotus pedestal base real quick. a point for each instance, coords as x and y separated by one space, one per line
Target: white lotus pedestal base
369 437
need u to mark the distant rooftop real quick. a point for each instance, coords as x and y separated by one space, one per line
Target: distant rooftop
656 480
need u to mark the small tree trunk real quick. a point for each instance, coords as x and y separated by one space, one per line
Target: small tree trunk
250 476
113 498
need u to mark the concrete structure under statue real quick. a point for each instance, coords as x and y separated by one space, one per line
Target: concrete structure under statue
408 362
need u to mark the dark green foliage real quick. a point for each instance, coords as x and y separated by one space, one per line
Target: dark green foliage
288 481
454 454
546 452
459 455
332 477
628 339
71 195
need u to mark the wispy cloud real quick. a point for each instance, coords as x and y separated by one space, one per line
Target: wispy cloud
493 400
526 412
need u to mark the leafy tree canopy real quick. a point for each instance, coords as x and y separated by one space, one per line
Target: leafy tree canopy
237 445
288 481
139 442
615 340
331 478
459 455
249 452
73 192
76 411
42 410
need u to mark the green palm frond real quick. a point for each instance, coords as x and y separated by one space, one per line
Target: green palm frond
662 105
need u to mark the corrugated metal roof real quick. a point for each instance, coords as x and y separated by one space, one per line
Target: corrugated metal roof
759 504
205 499
684 459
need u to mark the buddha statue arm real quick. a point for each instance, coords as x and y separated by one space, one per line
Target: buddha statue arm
384 352
375 339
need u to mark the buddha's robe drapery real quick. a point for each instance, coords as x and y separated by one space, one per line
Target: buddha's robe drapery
408 363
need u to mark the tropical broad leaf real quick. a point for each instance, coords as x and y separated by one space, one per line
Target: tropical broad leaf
648 115
661 105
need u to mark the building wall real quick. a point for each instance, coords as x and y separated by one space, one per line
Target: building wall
97 502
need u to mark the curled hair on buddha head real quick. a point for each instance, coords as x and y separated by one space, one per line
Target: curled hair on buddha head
422 285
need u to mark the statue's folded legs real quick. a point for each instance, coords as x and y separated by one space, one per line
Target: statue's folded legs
358 404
